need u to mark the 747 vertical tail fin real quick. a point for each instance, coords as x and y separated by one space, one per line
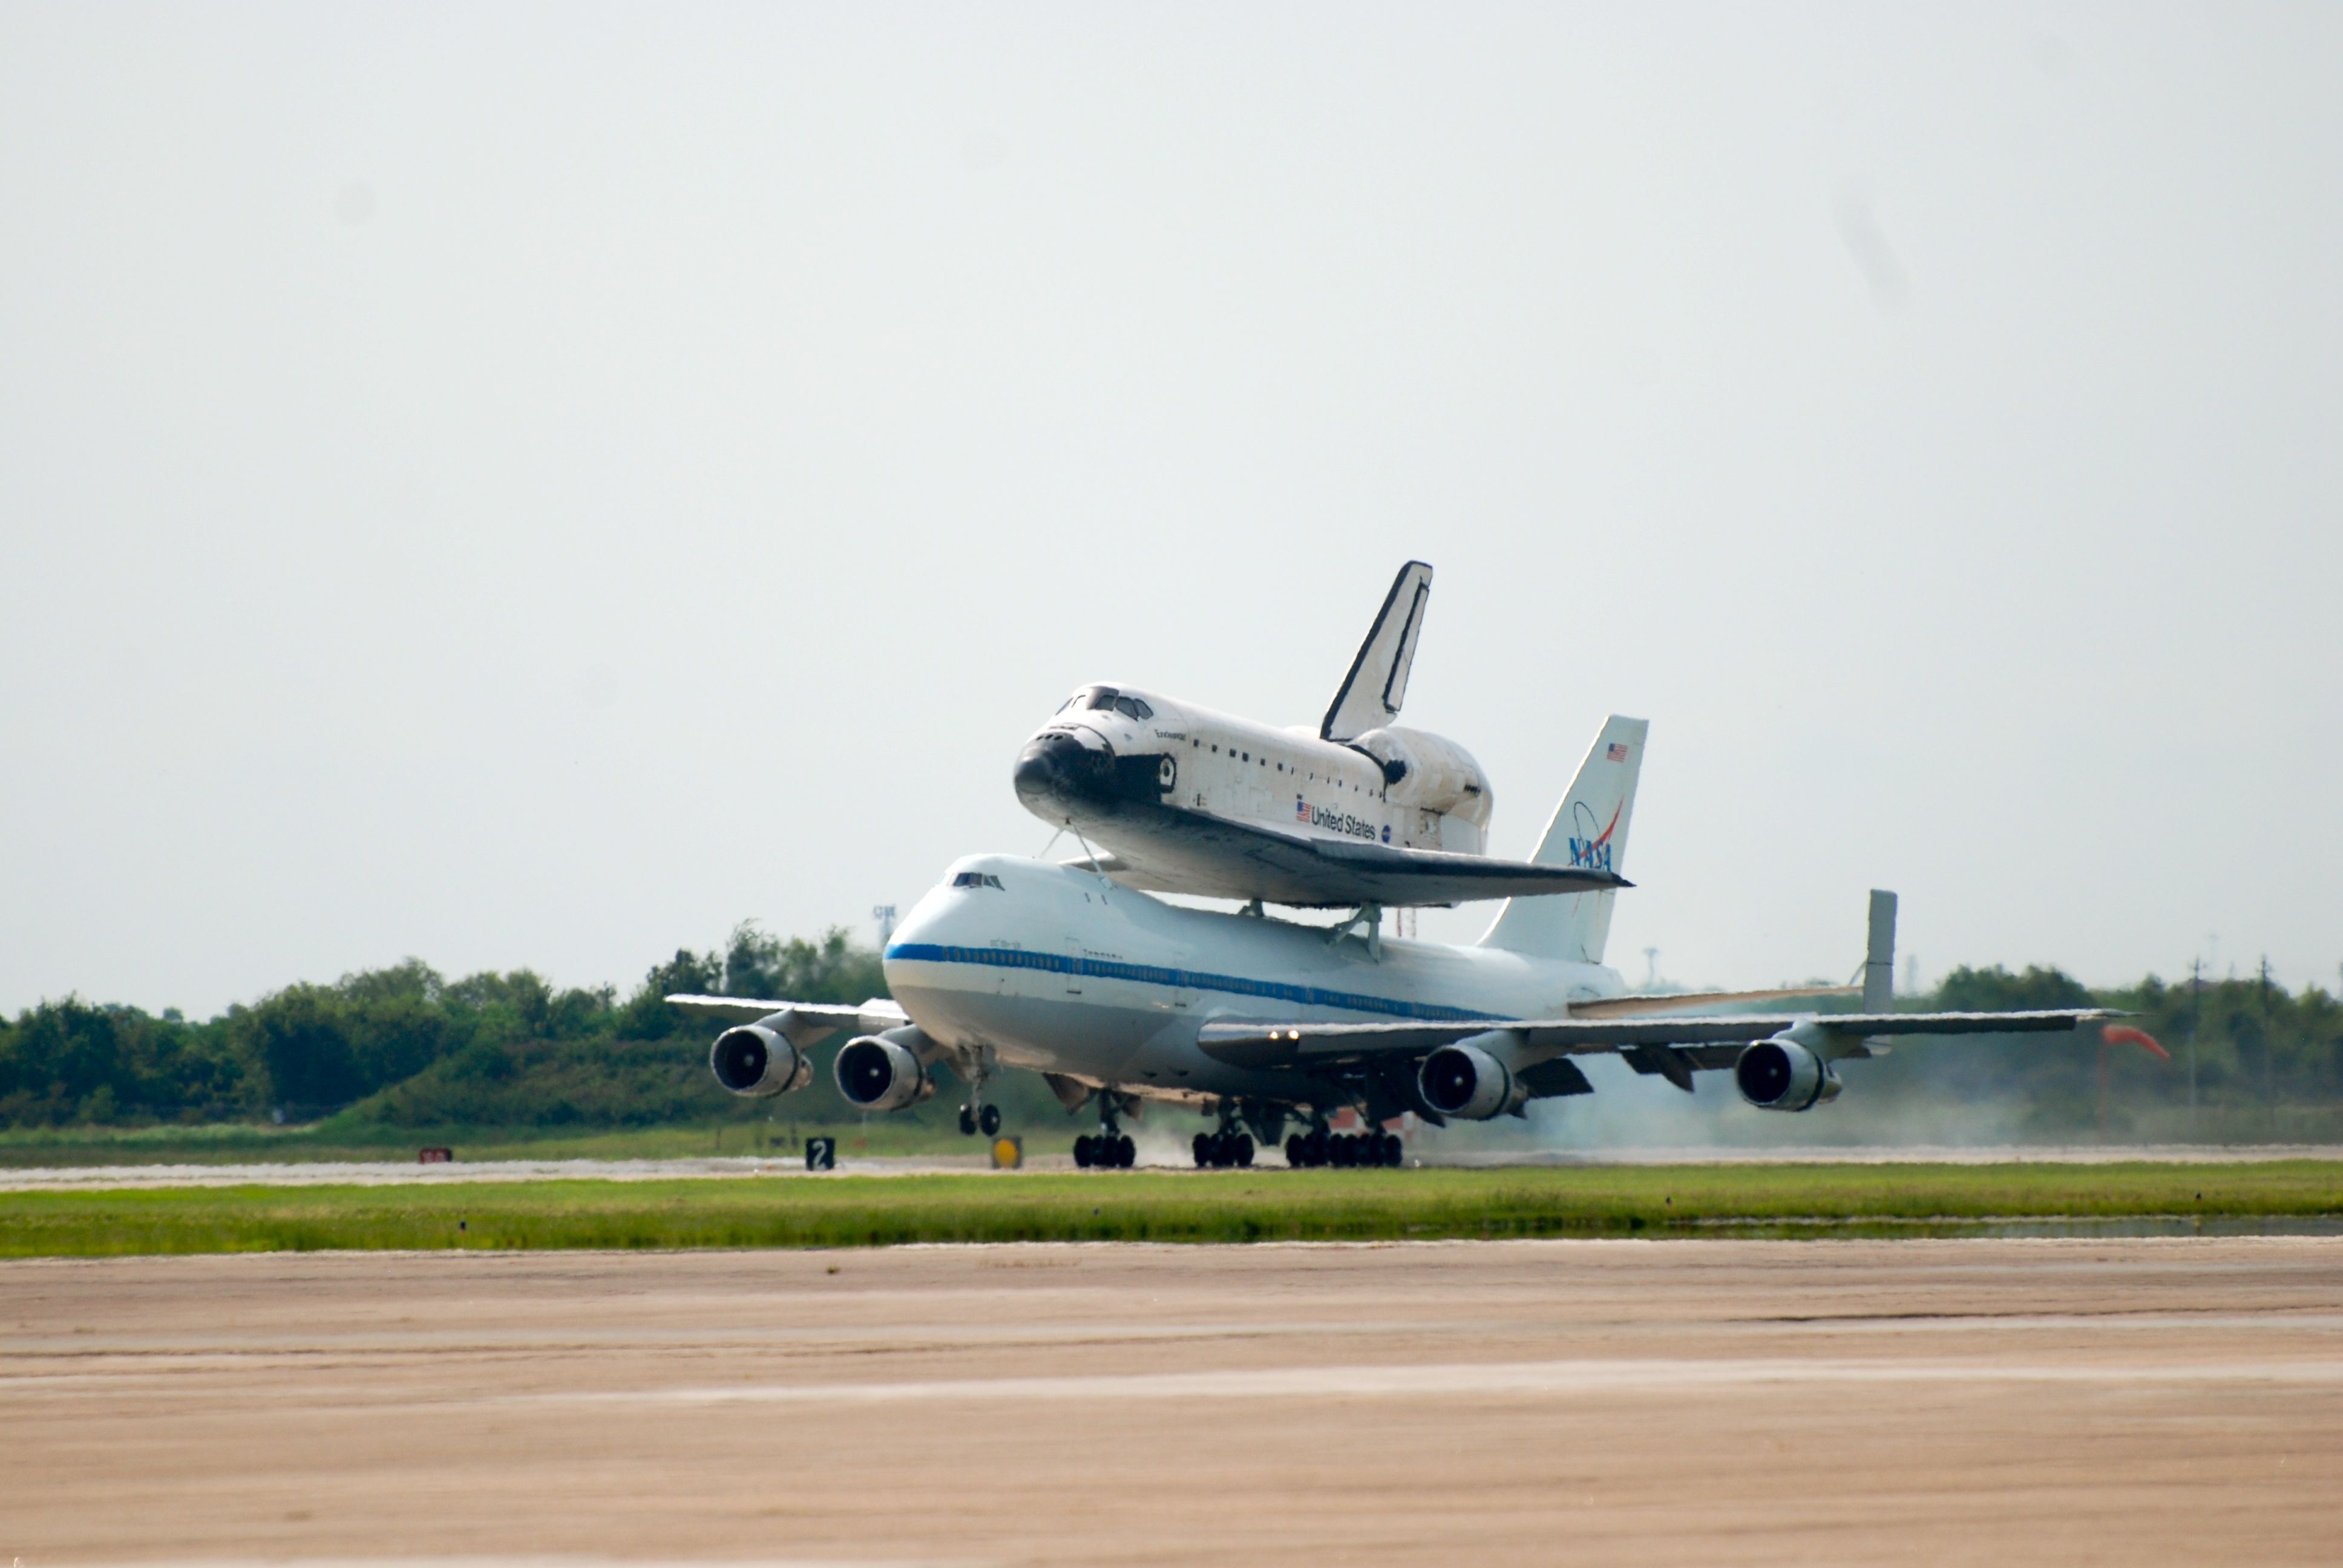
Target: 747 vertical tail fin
1589 830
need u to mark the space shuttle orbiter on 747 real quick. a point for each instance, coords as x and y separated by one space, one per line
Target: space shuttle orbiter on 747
1172 798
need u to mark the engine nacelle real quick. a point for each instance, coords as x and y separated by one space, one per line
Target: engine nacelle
880 1073
757 1061
1783 1074
1464 1081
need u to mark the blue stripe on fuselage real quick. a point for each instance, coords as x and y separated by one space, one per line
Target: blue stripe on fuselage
1190 979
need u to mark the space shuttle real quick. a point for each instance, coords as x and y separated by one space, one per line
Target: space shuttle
1166 796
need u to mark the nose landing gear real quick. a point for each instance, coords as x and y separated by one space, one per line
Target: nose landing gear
976 1065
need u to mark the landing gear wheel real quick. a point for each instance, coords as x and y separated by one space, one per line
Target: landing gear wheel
1126 1153
1240 1150
968 1122
989 1119
1203 1147
1297 1151
1083 1149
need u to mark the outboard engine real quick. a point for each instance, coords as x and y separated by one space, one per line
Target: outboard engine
1783 1074
757 1061
881 1072
1466 1080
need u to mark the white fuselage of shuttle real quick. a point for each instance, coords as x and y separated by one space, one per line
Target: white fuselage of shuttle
1112 752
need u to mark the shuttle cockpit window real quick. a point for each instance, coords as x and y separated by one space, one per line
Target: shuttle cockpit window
1132 708
1098 697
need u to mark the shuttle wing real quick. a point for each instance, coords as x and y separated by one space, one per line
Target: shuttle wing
1171 851
1698 1043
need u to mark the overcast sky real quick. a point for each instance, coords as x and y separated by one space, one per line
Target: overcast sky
535 486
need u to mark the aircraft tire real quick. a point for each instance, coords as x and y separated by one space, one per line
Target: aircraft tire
1126 1153
1203 1147
989 1118
967 1122
1240 1154
1295 1154
1082 1151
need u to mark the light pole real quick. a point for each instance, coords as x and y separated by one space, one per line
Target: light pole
885 915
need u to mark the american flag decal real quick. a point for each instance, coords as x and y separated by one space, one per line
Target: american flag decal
1617 753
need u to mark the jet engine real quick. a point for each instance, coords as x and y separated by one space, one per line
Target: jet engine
757 1061
1783 1074
1464 1080
877 1072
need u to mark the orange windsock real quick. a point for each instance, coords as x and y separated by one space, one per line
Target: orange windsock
2124 1034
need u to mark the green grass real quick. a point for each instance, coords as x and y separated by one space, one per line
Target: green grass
1236 1206
241 1143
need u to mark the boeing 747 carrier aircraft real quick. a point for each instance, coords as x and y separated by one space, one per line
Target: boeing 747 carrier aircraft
1120 998
1179 798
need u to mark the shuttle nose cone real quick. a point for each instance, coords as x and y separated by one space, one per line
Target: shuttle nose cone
1055 772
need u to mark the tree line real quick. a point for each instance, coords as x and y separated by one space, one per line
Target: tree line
406 1047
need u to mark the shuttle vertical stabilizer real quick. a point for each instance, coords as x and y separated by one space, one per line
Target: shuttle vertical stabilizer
1371 693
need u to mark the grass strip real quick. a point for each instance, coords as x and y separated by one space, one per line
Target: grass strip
1234 1206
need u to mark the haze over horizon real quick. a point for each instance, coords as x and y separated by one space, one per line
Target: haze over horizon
524 486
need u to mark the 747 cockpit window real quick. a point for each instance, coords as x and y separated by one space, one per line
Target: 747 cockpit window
978 879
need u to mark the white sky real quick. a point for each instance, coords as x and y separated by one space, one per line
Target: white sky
535 486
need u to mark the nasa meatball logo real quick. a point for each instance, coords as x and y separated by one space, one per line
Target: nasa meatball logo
1589 850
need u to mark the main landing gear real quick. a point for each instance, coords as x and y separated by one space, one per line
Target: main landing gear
1110 1150
1343 1150
1218 1150
973 1116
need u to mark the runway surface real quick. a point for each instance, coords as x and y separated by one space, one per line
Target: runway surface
2133 1402
1157 1149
